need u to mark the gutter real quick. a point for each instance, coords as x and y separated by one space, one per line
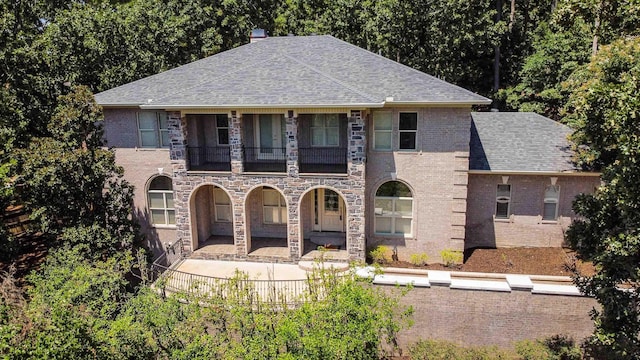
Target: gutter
554 173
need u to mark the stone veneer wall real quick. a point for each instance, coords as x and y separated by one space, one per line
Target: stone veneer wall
291 185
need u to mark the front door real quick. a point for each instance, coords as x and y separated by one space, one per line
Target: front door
331 210
269 136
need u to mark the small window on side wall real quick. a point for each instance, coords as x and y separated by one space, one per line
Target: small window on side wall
153 129
550 208
160 196
503 201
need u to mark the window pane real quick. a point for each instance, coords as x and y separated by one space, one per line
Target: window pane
147 120
148 138
156 200
502 210
384 206
223 212
408 121
221 197
270 214
549 212
317 120
271 197
382 141
164 120
382 120
317 137
403 226
223 136
172 217
504 191
332 136
332 120
161 183
404 207
408 140
169 197
165 138
157 217
331 199
394 189
383 225
222 121
283 215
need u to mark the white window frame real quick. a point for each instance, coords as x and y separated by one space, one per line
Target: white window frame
324 130
218 128
549 200
394 216
280 206
503 200
166 209
218 195
157 130
405 131
382 131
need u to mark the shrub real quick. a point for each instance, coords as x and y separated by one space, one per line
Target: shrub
533 350
451 257
443 350
419 259
381 254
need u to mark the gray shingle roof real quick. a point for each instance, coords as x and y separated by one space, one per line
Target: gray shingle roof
519 141
291 70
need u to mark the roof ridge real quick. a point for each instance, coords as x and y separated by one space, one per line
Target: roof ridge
358 91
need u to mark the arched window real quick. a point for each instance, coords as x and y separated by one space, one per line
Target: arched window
393 209
160 195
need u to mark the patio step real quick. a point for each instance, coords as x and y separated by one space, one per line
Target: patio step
312 265
337 239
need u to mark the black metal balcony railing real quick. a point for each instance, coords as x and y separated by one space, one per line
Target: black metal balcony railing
322 160
265 159
209 158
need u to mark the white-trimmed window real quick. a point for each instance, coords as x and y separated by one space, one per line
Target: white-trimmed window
274 208
503 201
407 130
222 205
160 196
325 130
551 197
382 130
393 209
152 129
222 129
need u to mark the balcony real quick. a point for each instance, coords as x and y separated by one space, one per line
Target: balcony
264 159
322 160
208 158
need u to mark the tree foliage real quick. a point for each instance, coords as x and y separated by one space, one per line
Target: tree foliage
605 109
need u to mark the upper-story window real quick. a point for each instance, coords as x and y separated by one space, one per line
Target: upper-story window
503 201
551 197
393 209
325 130
152 129
382 130
160 196
407 129
222 129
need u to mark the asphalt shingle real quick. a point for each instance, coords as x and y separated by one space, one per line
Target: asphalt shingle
519 141
291 70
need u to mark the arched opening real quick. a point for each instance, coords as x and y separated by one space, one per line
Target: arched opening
393 209
323 215
212 220
266 217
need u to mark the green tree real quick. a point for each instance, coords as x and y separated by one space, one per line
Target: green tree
605 110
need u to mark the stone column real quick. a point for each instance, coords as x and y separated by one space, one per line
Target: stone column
235 142
291 132
355 197
293 225
177 127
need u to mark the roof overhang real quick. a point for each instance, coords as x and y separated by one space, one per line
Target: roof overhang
535 173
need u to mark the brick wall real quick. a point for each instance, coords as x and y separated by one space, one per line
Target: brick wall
493 318
525 226
437 176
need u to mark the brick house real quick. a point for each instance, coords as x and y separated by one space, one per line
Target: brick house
268 150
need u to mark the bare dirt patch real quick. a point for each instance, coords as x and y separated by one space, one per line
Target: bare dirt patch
532 261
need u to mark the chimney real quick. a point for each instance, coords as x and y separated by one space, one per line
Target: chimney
257 35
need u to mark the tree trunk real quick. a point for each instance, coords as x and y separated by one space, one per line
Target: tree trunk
496 60
596 28
512 15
